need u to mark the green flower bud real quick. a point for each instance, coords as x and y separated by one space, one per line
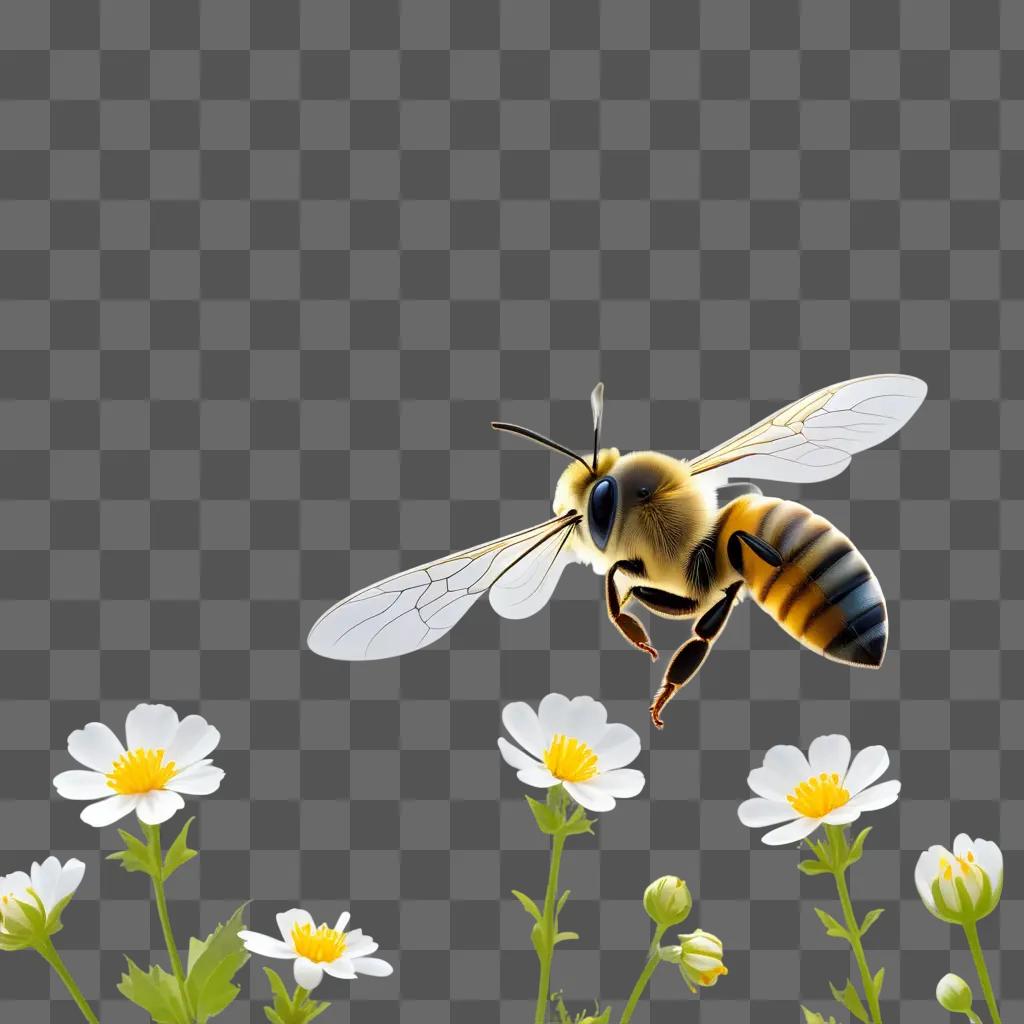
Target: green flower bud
699 958
667 901
954 994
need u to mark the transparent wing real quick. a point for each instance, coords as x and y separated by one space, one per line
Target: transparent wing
528 585
414 608
815 437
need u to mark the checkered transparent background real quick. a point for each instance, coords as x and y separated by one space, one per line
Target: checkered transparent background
268 269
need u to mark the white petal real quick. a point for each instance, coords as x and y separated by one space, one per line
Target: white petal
829 754
95 746
788 763
537 776
79 785
150 727
106 812
514 756
842 815
770 784
758 812
592 797
266 945
193 741
552 714
45 877
875 797
962 845
197 780
359 945
521 722
586 719
867 766
341 968
290 918
308 974
373 966
343 919
621 783
990 859
71 876
618 746
791 833
159 805
16 883
927 870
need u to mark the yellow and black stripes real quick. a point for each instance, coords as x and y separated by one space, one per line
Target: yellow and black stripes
823 594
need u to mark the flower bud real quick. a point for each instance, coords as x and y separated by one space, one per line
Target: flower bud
954 994
667 901
699 956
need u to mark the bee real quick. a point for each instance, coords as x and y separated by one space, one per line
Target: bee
684 539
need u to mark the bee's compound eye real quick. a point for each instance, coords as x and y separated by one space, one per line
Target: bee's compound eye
643 492
603 501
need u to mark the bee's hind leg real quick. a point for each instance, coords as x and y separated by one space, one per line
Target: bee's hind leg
628 625
686 662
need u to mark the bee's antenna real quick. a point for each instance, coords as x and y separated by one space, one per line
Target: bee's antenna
541 439
597 407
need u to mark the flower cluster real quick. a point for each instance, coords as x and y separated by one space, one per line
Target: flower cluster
162 760
569 749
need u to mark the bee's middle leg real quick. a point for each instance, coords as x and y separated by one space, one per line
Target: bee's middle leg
687 660
628 625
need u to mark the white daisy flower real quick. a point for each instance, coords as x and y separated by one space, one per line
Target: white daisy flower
570 743
162 759
318 950
823 788
971 861
51 881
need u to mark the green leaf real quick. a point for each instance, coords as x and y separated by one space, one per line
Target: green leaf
566 937
136 855
857 850
578 823
53 919
561 902
179 852
870 918
810 1017
528 905
537 938
547 820
277 986
832 926
877 981
212 963
563 1013
849 998
274 1018
813 867
156 992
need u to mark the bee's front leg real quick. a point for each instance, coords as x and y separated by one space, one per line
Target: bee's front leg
686 662
629 626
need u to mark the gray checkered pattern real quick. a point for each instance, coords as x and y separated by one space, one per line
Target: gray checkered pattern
268 269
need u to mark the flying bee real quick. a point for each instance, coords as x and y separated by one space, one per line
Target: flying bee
685 539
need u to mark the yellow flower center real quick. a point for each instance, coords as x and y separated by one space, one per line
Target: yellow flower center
819 795
323 945
709 976
570 760
964 863
140 771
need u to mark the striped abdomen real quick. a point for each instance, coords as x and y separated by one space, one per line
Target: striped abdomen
824 594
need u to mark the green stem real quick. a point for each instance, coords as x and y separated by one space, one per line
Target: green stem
645 976
971 931
548 929
858 949
152 833
48 952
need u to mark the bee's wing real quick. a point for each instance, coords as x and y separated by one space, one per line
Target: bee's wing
815 437
414 608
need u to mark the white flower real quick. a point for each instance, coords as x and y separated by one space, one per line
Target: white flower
823 788
318 950
969 880
51 881
699 957
570 743
163 759
954 994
